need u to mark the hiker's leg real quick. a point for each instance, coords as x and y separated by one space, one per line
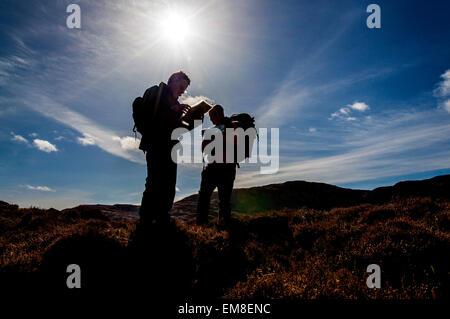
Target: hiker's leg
204 195
148 197
168 189
158 194
225 189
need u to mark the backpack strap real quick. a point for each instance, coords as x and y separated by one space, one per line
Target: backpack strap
158 99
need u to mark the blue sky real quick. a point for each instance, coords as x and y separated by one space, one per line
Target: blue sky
356 107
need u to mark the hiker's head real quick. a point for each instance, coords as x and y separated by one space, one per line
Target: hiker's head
178 83
216 114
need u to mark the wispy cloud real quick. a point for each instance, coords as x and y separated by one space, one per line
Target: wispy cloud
87 139
287 100
104 138
128 143
192 100
392 144
344 112
10 65
41 145
293 97
359 106
443 90
94 65
56 198
447 106
443 87
44 145
18 138
294 93
22 47
39 188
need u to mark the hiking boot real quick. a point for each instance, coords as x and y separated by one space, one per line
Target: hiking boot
228 222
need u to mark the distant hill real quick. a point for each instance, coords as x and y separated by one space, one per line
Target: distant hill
114 212
297 194
293 194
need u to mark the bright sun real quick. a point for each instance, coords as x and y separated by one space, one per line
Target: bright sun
175 28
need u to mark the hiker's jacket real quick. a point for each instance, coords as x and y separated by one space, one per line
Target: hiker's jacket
159 124
227 142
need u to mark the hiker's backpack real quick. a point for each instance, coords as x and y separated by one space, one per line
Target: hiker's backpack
140 112
245 121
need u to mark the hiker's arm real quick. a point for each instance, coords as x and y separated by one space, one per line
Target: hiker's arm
181 108
176 111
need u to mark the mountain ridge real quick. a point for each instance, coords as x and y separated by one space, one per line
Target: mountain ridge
292 194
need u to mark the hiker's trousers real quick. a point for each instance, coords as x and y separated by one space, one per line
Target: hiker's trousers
221 176
159 193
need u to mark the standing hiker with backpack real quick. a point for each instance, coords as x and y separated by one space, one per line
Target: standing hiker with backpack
156 114
222 174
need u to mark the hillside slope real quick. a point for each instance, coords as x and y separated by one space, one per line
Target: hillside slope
296 253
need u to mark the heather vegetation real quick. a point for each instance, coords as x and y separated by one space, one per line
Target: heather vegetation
289 253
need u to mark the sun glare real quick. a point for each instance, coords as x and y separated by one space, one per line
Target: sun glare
175 28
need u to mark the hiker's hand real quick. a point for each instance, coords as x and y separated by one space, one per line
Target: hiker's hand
181 108
186 108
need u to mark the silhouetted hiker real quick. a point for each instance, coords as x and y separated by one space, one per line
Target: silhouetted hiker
162 114
220 175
